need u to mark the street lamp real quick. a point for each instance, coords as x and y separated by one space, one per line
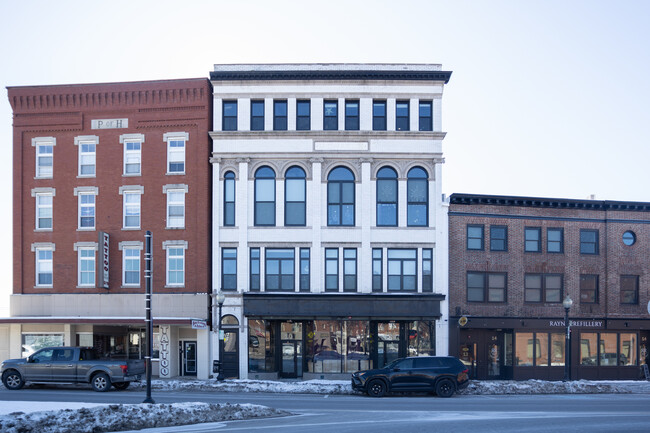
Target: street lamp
220 300
567 303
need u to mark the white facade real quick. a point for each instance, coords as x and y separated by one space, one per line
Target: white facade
403 226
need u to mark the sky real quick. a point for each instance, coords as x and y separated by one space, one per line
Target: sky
548 98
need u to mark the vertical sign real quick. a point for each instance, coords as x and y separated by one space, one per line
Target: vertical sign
164 351
104 260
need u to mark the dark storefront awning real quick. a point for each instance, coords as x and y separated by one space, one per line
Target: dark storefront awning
386 306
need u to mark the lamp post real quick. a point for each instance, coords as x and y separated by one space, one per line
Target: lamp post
567 303
220 300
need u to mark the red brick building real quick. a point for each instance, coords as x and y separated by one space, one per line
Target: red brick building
95 166
513 260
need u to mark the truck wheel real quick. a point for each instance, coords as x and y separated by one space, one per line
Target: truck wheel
13 380
376 388
101 382
445 388
121 386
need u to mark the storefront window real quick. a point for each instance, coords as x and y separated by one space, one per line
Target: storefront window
388 343
326 353
421 338
557 349
33 342
588 347
628 354
608 349
524 349
260 346
507 359
356 350
541 354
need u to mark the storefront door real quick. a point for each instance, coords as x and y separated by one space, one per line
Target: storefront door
189 358
291 349
229 352
494 355
388 342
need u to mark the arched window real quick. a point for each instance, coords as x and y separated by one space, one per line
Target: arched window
264 197
417 206
229 199
387 197
229 321
340 197
294 197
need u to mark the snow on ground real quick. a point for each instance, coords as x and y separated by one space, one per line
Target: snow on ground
62 417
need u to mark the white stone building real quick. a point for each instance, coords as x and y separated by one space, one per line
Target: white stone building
329 227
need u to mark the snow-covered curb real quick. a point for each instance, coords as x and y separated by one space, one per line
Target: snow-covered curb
502 387
120 417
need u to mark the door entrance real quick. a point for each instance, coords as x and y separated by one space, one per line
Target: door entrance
485 352
189 358
388 339
291 350
229 352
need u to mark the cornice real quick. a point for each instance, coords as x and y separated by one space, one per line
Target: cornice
328 135
296 75
541 202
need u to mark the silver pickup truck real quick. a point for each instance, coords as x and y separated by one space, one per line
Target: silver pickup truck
70 365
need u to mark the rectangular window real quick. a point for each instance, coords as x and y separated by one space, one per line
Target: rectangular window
44 211
555 240
427 270
378 115
44 159
351 115
426 116
533 239
175 208
588 241
475 237
498 238
44 267
330 115
255 270
303 115
486 287
132 157
402 270
350 269
629 289
229 269
86 210
305 271
377 270
176 156
588 289
229 199
131 209
131 266
332 269
229 118
175 266
543 288
402 122
86 266
86 159
279 115
257 115
279 268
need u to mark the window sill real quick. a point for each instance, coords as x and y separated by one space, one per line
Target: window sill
131 174
175 174
86 287
42 177
43 287
86 229
175 286
43 230
131 228
130 286
175 228
86 176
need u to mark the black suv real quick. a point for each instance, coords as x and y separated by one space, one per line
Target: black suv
443 375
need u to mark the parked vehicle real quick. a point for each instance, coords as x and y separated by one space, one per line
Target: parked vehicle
443 375
71 365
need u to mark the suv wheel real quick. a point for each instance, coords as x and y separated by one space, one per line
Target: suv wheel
445 388
376 388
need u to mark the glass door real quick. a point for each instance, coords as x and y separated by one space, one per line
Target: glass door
189 358
388 338
291 349
494 354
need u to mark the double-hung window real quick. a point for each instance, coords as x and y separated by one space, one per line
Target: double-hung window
533 239
280 115
229 199
257 115
486 287
176 142
340 197
351 115
86 197
402 119
303 115
588 241
417 191
254 269
175 263
331 269
175 205
132 153
349 269
554 240
330 115
426 116
378 115
264 197
588 289
44 156
427 270
131 196
387 197
402 270
44 258
280 269
87 146
629 289
131 263
86 263
305 274
543 288
295 193
377 270
229 118
475 238
229 268
498 238
44 201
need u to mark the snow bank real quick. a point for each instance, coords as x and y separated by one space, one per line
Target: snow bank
120 417
501 387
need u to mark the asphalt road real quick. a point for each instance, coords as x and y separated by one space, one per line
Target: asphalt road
341 414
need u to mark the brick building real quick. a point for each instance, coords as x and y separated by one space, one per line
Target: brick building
513 260
329 231
95 166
